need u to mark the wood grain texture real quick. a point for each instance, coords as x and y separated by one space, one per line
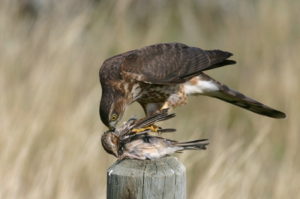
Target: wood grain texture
164 178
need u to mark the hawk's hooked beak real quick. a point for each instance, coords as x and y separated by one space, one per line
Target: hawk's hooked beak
112 125
112 128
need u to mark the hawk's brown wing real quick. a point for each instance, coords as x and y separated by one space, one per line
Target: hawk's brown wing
171 63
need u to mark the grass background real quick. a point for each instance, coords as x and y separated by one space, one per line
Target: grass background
50 55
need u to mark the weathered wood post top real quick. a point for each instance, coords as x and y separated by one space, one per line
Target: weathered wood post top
163 178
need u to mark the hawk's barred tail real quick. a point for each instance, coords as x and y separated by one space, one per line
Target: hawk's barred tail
210 87
238 99
194 145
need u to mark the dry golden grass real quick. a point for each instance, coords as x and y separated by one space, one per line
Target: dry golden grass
50 128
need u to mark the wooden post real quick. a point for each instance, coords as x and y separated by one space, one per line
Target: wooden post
149 179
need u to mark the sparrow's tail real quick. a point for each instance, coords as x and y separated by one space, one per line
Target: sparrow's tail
194 145
206 85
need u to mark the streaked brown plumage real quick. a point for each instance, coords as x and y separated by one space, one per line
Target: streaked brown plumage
153 147
163 75
123 143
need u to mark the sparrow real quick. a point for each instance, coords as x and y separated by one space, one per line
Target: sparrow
125 143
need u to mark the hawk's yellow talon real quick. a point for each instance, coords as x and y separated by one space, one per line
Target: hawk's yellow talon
152 128
138 130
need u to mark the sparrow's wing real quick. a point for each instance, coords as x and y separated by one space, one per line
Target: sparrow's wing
157 117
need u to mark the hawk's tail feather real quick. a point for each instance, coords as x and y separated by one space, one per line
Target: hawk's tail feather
200 144
236 98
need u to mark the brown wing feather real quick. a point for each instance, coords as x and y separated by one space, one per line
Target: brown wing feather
171 63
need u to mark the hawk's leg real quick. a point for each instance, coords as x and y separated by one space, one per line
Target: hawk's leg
150 109
152 128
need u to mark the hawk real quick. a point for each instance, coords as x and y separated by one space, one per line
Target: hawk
164 75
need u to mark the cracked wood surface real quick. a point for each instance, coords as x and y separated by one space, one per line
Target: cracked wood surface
149 179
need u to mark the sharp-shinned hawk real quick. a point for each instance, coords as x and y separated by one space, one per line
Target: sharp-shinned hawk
163 75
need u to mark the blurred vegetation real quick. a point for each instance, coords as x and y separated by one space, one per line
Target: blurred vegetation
51 52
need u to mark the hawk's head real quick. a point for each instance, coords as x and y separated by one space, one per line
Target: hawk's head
113 100
112 107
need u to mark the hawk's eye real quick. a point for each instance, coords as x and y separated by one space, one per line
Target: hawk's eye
114 117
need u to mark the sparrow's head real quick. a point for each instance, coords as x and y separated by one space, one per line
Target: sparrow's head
110 142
